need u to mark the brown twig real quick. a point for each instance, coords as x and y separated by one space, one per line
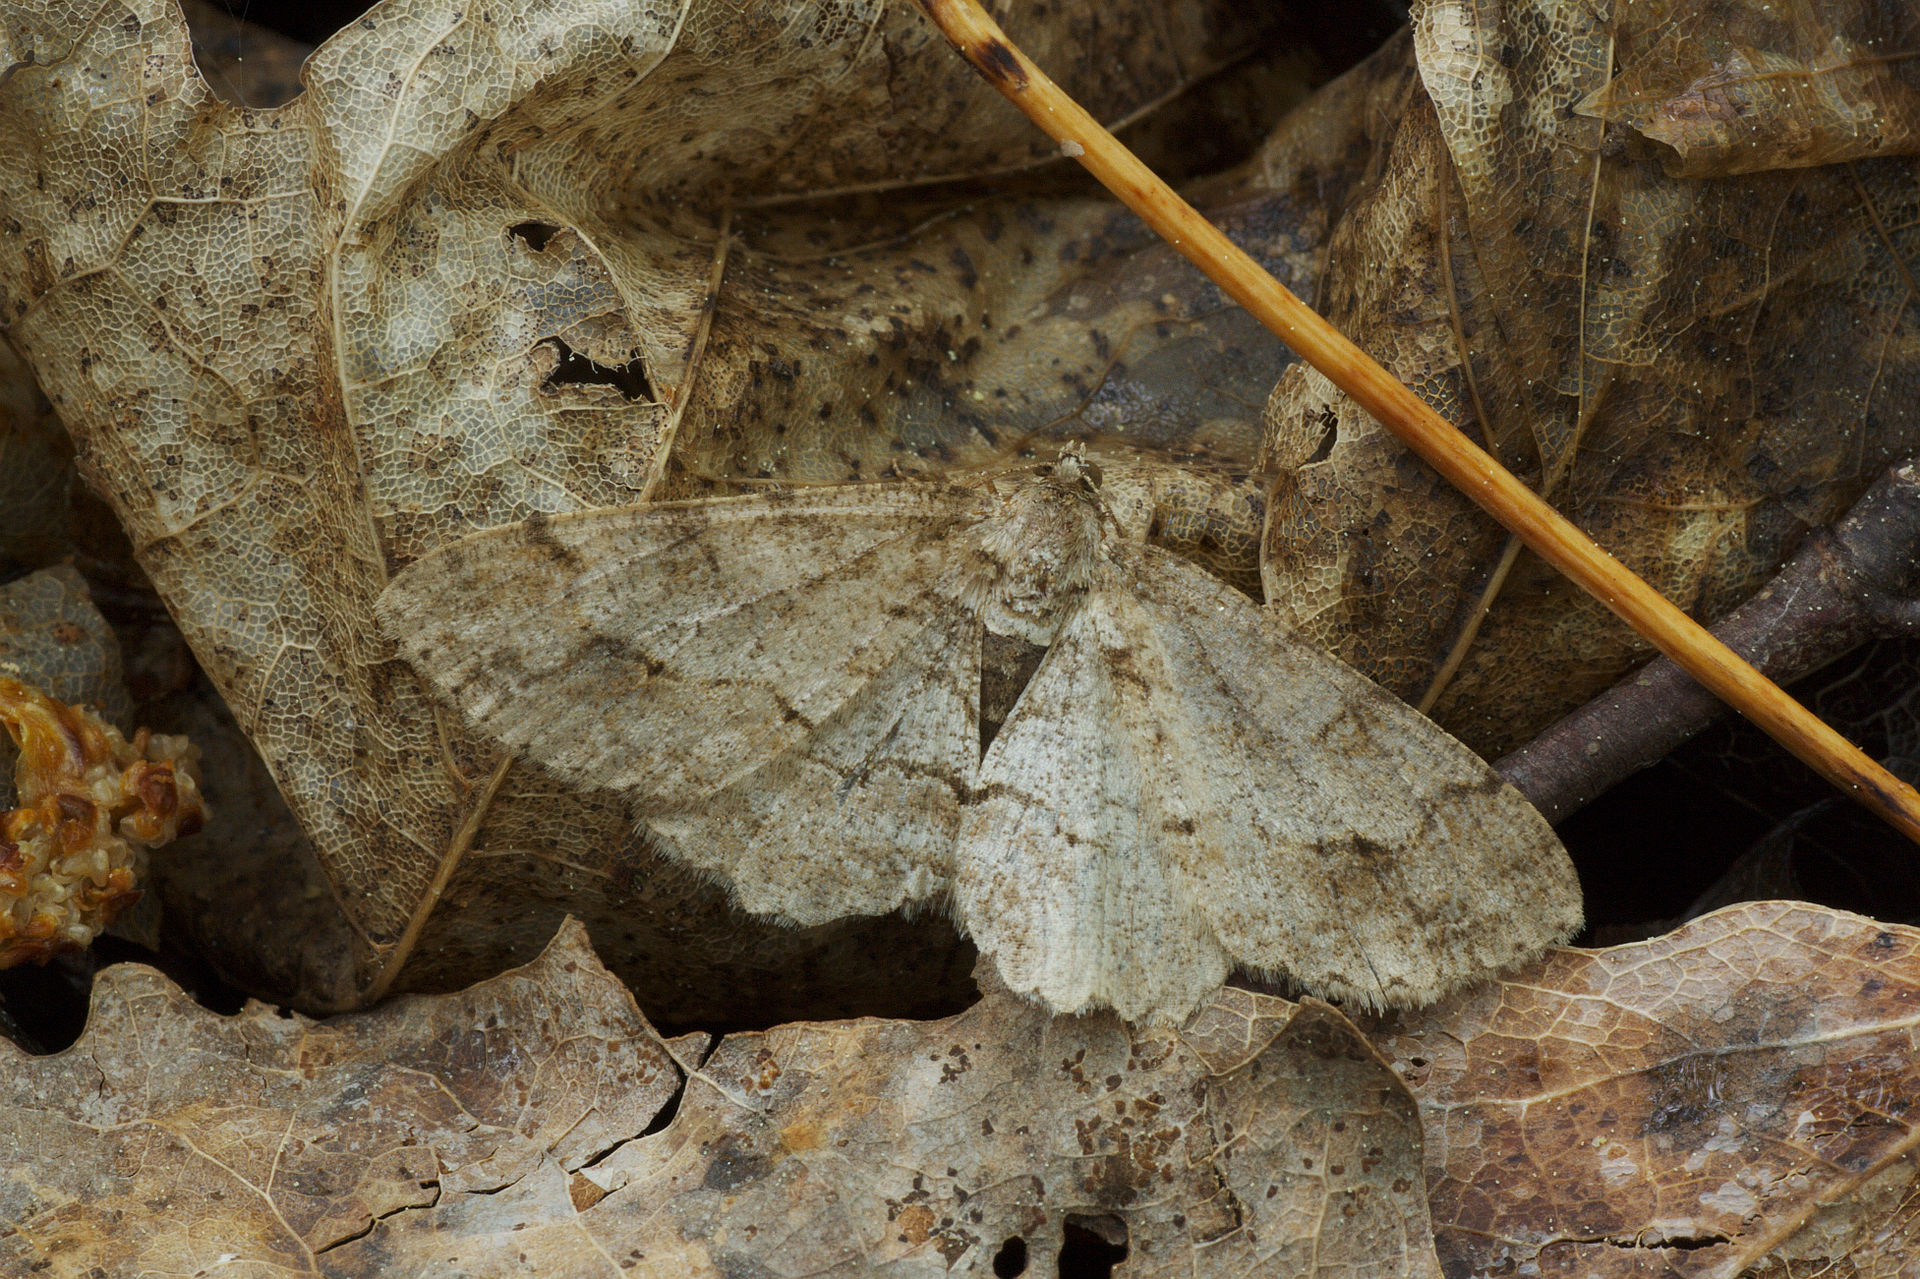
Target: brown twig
1848 584
1464 464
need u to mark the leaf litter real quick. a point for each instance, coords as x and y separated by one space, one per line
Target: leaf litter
1865 1216
847 322
1739 1094
316 341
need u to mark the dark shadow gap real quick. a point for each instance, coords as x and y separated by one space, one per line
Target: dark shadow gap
43 1007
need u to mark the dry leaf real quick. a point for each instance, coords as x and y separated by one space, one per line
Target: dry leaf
1750 86
1696 372
1738 1094
516 1128
1741 1092
300 346
789 690
52 637
1266 1139
169 1137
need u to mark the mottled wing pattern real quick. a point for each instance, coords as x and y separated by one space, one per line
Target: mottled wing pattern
1059 873
717 661
1247 799
859 816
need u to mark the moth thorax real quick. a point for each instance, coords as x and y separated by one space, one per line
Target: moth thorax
1034 557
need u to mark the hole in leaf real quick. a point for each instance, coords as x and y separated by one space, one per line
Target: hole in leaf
1685 1243
1091 1246
1330 421
1011 1260
535 235
574 369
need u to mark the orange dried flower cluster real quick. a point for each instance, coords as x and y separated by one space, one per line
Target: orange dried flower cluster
91 805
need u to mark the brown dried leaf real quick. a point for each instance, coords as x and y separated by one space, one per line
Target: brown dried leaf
300 346
1739 1093
501 1130
1752 86
169 1136
1268 1140
1694 371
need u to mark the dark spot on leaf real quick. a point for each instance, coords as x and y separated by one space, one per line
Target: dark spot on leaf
733 1166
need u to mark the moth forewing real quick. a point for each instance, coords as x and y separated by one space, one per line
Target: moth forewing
639 648
877 787
1061 875
1335 834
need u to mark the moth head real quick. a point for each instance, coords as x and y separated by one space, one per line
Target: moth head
1073 472
1035 554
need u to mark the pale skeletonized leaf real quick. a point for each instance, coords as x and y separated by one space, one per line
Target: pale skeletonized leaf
788 689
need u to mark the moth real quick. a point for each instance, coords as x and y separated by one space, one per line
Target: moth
787 689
